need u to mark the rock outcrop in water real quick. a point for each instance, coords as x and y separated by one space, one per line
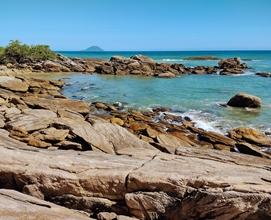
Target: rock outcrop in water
115 164
245 100
135 65
231 66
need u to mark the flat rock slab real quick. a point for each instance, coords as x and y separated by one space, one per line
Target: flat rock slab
13 84
31 120
57 104
17 206
223 186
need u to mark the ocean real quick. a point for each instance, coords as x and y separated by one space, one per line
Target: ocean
199 97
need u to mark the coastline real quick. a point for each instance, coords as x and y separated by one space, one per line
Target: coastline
135 155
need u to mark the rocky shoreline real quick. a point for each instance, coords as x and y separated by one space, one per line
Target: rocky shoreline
135 65
114 164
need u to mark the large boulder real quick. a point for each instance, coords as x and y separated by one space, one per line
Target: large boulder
245 100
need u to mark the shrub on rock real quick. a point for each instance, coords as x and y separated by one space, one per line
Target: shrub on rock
16 52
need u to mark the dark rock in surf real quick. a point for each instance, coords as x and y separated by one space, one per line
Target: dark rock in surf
232 66
245 100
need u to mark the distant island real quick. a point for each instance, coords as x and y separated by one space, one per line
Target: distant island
94 49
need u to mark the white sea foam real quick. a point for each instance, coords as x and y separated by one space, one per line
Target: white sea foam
172 60
247 73
201 120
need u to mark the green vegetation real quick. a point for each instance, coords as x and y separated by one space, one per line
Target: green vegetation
17 52
2 49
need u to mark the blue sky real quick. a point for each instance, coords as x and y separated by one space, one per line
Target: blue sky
138 24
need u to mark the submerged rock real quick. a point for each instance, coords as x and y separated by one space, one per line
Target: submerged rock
264 74
166 75
245 100
201 58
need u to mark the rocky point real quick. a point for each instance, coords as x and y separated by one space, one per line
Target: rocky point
68 159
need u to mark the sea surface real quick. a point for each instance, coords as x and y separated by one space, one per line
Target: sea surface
201 97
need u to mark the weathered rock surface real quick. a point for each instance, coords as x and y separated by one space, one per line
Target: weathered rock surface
250 135
116 164
159 186
15 205
31 120
245 100
13 84
57 104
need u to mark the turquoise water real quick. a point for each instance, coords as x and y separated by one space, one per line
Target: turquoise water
197 96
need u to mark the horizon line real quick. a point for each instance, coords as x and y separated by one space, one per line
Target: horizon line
218 50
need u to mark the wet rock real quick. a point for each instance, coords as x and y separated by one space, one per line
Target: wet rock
201 58
231 66
166 75
264 74
245 100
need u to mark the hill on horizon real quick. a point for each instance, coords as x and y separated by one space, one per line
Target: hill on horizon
94 49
